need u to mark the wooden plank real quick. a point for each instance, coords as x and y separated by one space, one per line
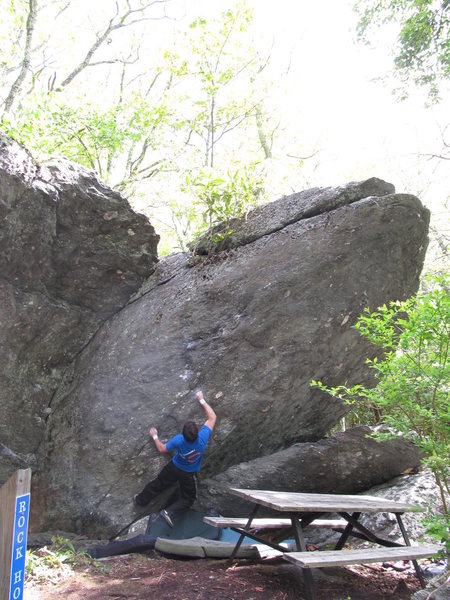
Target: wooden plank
325 503
331 558
256 523
17 486
328 524
271 523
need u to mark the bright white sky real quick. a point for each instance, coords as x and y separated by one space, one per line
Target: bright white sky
336 103
333 101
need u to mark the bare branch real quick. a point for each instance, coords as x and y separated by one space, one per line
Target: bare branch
152 83
25 67
113 61
134 164
154 164
236 121
150 174
264 64
239 120
142 19
78 135
145 173
303 157
274 130
431 156
188 139
34 77
267 149
63 8
112 26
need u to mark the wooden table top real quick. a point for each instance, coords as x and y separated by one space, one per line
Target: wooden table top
322 503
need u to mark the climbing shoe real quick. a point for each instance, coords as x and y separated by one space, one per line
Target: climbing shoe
167 518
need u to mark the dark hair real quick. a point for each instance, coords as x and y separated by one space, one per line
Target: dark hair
190 431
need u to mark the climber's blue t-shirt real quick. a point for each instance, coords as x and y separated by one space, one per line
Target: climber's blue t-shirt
189 454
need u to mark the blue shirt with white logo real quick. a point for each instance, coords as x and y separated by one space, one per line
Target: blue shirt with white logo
189 454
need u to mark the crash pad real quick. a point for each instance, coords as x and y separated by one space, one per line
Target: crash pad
139 543
187 524
198 547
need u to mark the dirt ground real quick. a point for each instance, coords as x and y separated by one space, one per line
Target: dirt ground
142 577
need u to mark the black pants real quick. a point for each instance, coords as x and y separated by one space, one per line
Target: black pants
167 477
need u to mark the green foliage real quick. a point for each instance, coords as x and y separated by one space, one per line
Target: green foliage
224 64
413 378
99 139
54 563
423 46
13 14
220 199
438 527
149 117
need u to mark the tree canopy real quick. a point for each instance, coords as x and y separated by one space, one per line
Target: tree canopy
141 114
422 53
162 104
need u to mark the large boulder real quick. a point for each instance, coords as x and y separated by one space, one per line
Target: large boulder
251 326
343 463
72 251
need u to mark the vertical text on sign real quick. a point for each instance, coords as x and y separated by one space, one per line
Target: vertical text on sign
19 547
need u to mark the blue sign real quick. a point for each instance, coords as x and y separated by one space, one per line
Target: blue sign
19 547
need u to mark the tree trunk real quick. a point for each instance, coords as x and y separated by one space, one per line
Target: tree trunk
25 67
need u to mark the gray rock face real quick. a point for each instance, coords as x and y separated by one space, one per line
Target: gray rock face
437 589
344 463
252 327
273 217
85 370
419 488
71 253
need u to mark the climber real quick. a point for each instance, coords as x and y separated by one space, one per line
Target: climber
189 447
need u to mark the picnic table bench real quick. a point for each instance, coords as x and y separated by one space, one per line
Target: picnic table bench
334 558
306 510
270 523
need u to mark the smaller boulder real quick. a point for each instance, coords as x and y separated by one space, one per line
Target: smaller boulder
416 488
344 463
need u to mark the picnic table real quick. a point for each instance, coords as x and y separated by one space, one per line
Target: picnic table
306 510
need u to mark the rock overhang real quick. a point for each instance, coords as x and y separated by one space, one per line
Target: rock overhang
107 342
